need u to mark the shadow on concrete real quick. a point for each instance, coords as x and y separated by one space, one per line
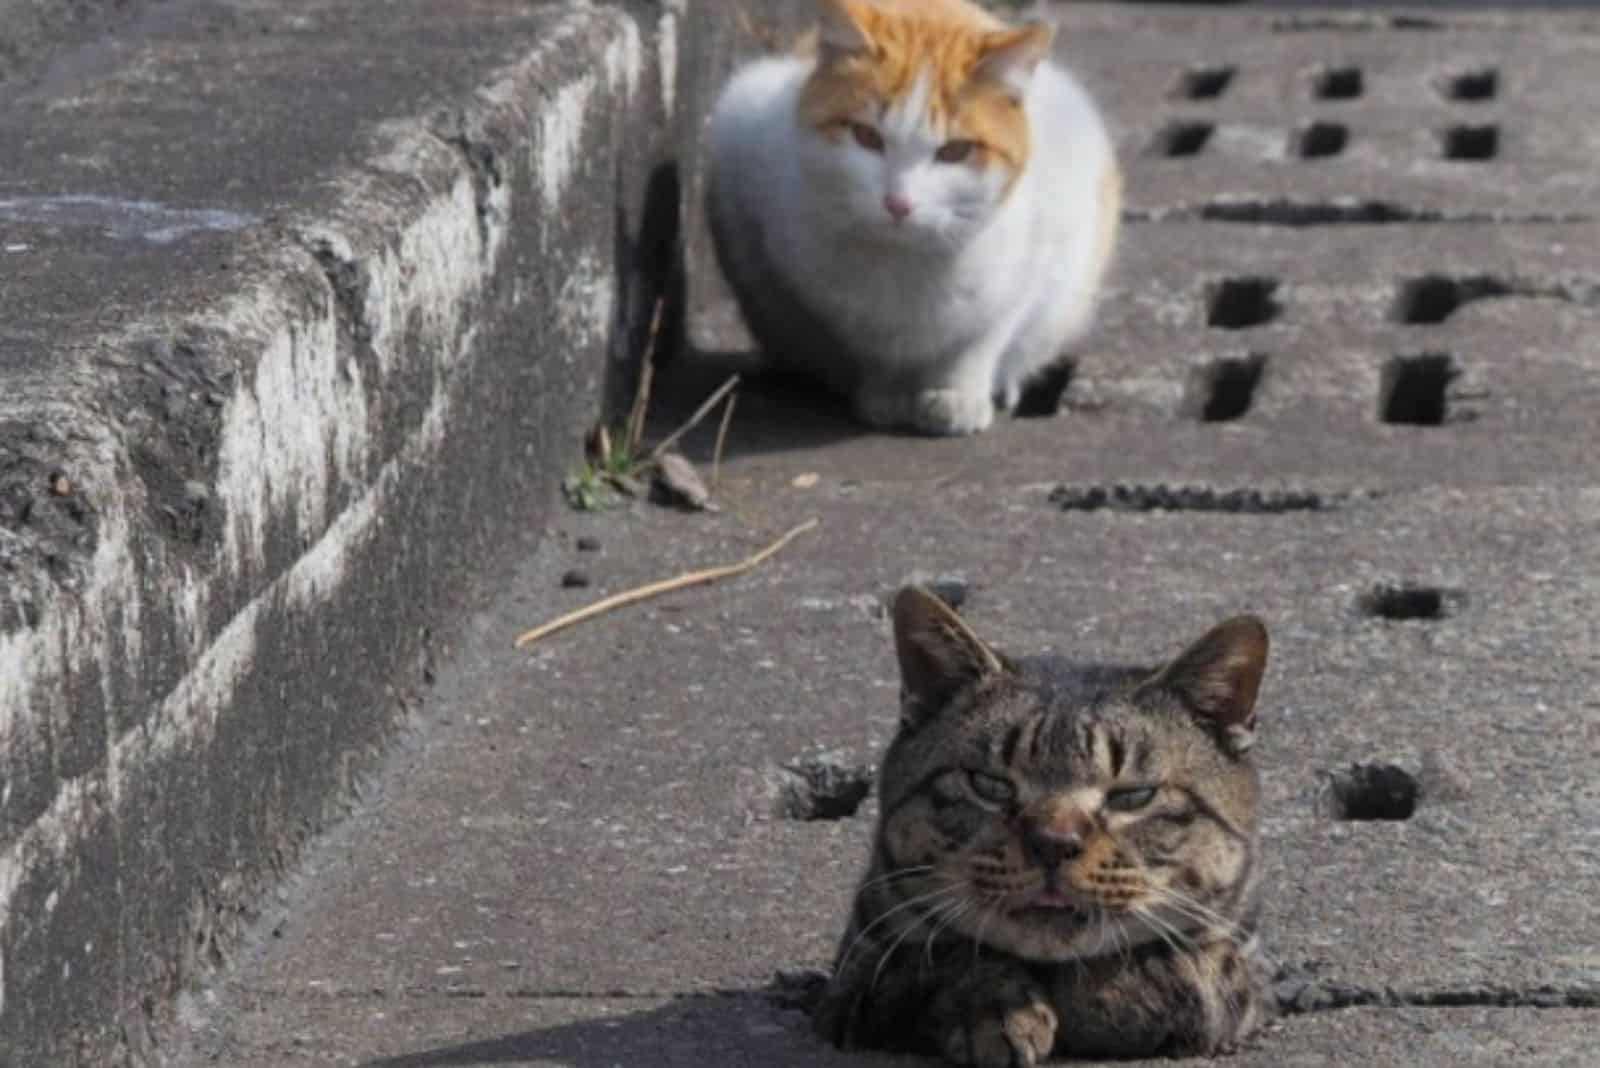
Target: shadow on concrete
775 412
687 1032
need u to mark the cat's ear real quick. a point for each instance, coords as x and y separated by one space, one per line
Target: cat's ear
840 29
938 652
1217 679
1011 56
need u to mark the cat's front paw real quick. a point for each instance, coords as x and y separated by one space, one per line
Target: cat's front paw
948 412
1002 1021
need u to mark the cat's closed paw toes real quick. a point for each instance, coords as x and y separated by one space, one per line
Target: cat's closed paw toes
952 411
1004 1036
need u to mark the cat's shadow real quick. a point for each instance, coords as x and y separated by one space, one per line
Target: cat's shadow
775 412
738 1028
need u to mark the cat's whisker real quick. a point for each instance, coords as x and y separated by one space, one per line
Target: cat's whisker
1196 910
898 873
1215 922
895 945
951 915
921 899
1175 939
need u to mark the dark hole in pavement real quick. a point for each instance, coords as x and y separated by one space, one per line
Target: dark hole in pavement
823 788
1158 498
1282 212
1414 389
1237 303
1374 792
1472 143
1180 139
1045 391
1339 83
1204 83
1321 140
1473 85
1434 298
1402 602
1224 389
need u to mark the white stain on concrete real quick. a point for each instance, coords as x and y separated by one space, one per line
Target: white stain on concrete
563 121
159 224
586 306
667 56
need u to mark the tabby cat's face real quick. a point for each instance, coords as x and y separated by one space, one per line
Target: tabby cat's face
1060 814
916 111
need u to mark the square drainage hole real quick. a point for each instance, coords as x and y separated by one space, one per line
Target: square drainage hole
1414 390
1434 298
1204 83
1238 303
1373 792
1473 86
1472 144
1224 390
1046 391
1178 140
1338 83
1400 603
1321 140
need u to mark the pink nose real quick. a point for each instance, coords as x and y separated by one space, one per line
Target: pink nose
897 206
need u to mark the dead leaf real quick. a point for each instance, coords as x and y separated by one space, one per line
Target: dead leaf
806 481
679 483
598 445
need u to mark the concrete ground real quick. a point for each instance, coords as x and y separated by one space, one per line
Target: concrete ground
1352 389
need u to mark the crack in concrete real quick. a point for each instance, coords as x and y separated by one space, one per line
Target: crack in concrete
483 162
1297 996
1284 211
349 280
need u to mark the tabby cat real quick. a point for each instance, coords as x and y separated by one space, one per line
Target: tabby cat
917 210
1065 859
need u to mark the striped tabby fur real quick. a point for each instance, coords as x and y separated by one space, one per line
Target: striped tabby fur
1065 860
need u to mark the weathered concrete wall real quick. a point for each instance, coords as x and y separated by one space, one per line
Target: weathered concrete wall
305 306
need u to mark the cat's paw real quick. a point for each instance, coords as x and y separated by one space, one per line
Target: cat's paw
1006 1022
948 412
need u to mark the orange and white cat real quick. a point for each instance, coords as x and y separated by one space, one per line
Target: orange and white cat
917 209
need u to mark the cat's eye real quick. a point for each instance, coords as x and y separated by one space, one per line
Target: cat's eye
996 789
955 151
866 137
1131 799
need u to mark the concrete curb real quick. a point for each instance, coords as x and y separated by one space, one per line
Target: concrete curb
231 526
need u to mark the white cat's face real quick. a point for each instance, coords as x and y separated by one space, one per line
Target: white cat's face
888 175
915 130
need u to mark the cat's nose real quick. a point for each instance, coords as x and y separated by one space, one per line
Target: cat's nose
897 206
1049 847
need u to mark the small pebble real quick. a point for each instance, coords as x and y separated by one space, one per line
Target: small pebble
574 580
586 544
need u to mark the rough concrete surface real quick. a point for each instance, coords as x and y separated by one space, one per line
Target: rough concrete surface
303 303
1362 406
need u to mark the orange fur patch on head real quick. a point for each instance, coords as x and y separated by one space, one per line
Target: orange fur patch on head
952 43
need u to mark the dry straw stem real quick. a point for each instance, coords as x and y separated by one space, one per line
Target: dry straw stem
647 374
694 420
656 589
722 435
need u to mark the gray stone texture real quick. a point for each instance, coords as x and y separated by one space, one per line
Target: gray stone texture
304 303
